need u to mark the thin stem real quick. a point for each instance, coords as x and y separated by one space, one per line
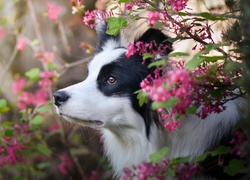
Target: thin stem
10 61
64 38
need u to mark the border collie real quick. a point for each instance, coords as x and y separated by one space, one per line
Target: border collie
105 101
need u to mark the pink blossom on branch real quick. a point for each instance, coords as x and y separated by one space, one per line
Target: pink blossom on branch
47 78
65 165
48 57
21 44
178 5
141 48
91 16
153 17
53 11
18 85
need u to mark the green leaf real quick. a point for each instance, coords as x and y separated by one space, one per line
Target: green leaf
52 67
157 63
200 158
124 1
115 24
7 123
235 166
24 152
220 150
8 132
158 25
191 110
3 106
158 156
213 58
168 104
44 109
43 165
211 17
146 56
35 42
180 160
43 149
37 120
195 62
142 97
198 58
33 74
177 54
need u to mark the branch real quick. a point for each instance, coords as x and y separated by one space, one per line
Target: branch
194 37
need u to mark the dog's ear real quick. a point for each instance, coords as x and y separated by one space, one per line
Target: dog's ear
103 37
158 37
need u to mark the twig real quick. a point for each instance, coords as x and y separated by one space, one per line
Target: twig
64 38
69 65
10 61
36 24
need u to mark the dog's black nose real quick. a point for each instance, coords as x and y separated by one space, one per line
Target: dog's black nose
60 97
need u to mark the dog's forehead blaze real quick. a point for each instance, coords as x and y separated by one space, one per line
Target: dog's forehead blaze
105 57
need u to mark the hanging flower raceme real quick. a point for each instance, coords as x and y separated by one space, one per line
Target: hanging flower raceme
172 87
178 5
91 16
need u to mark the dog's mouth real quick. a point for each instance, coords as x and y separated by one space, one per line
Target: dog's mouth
81 121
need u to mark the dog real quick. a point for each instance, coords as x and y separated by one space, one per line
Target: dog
106 101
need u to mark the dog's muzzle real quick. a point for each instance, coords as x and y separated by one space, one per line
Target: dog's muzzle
60 97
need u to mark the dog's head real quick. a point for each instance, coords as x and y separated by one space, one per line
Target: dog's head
106 99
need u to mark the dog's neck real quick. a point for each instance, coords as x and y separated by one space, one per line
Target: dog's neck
128 146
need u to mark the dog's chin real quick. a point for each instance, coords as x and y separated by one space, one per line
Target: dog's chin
82 122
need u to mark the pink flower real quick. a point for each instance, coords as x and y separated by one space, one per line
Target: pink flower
178 5
21 44
47 78
171 125
53 127
48 57
2 32
41 96
53 11
129 6
91 16
130 50
153 17
65 165
18 86
24 100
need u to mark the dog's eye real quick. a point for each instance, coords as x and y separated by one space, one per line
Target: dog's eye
111 80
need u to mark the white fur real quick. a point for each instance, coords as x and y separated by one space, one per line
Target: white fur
123 129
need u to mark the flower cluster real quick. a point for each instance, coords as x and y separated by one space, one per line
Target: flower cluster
65 165
129 6
239 141
153 17
90 17
161 89
160 171
141 48
53 11
47 79
187 171
10 152
144 171
18 85
178 5
27 99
